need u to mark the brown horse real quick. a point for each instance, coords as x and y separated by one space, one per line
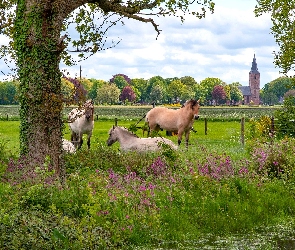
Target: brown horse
82 122
179 120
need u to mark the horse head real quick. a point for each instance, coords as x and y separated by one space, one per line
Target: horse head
89 109
195 106
112 136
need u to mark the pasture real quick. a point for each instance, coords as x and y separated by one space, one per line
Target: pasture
218 194
223 136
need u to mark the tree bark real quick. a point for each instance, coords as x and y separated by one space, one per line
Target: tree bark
38 51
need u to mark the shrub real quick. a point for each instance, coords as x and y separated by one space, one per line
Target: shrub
285 124
275 159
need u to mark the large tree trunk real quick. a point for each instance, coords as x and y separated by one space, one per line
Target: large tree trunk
38 56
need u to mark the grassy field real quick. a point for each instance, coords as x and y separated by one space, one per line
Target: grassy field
218 194
223 136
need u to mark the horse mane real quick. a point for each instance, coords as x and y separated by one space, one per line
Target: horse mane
190 103
126 131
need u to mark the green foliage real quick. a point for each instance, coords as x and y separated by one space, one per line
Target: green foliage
285 118
8 92
175 90
260 129
108 94
130 200
206 87
273 92
274 160
132 128
282 30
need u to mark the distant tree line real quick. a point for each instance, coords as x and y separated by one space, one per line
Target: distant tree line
120 89
277 90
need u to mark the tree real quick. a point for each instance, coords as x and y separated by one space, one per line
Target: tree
92 93
126 78
140 85
79 92
156 95
188 81
207 85
218 94
8 92
40 40
127 94
175 90
235 94
108 94
119 81
153 81
289 93
283 30
67 89
274 91
285 118
187 93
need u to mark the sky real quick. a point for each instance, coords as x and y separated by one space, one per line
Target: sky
222 45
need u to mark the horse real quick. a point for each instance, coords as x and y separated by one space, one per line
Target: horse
179 121
82 122
68 146
131 142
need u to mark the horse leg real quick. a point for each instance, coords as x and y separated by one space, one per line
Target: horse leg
187 138
80 140
88 141
179 137
74 139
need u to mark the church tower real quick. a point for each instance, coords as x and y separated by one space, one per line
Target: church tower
254 83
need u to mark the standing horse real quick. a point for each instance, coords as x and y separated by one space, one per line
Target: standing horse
180 120
129 141
82 122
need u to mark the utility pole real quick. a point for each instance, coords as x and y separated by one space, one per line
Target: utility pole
80 72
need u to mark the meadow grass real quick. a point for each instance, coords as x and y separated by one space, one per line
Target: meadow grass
223 136
166 199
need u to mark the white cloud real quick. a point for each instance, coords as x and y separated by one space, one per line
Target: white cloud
221 45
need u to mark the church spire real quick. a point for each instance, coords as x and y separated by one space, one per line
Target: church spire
254 68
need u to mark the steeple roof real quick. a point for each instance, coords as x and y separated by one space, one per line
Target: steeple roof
254 68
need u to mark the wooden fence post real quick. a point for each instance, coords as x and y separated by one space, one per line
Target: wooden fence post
116 121
7 117
243 131
205 126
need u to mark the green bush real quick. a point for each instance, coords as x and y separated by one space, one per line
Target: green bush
285 119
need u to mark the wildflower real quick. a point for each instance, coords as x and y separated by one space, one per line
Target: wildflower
142 188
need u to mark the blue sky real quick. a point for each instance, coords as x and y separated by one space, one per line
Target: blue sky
222 45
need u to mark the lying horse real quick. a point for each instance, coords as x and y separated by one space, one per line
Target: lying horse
179 120
129 141
68 146
82 122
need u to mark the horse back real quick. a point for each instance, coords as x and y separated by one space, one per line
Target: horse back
168 119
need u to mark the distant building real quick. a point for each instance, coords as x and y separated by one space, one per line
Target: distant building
251 92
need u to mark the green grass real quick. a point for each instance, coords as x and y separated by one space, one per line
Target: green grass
222 136
115 200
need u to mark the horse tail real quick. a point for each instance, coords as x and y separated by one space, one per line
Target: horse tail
140 119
